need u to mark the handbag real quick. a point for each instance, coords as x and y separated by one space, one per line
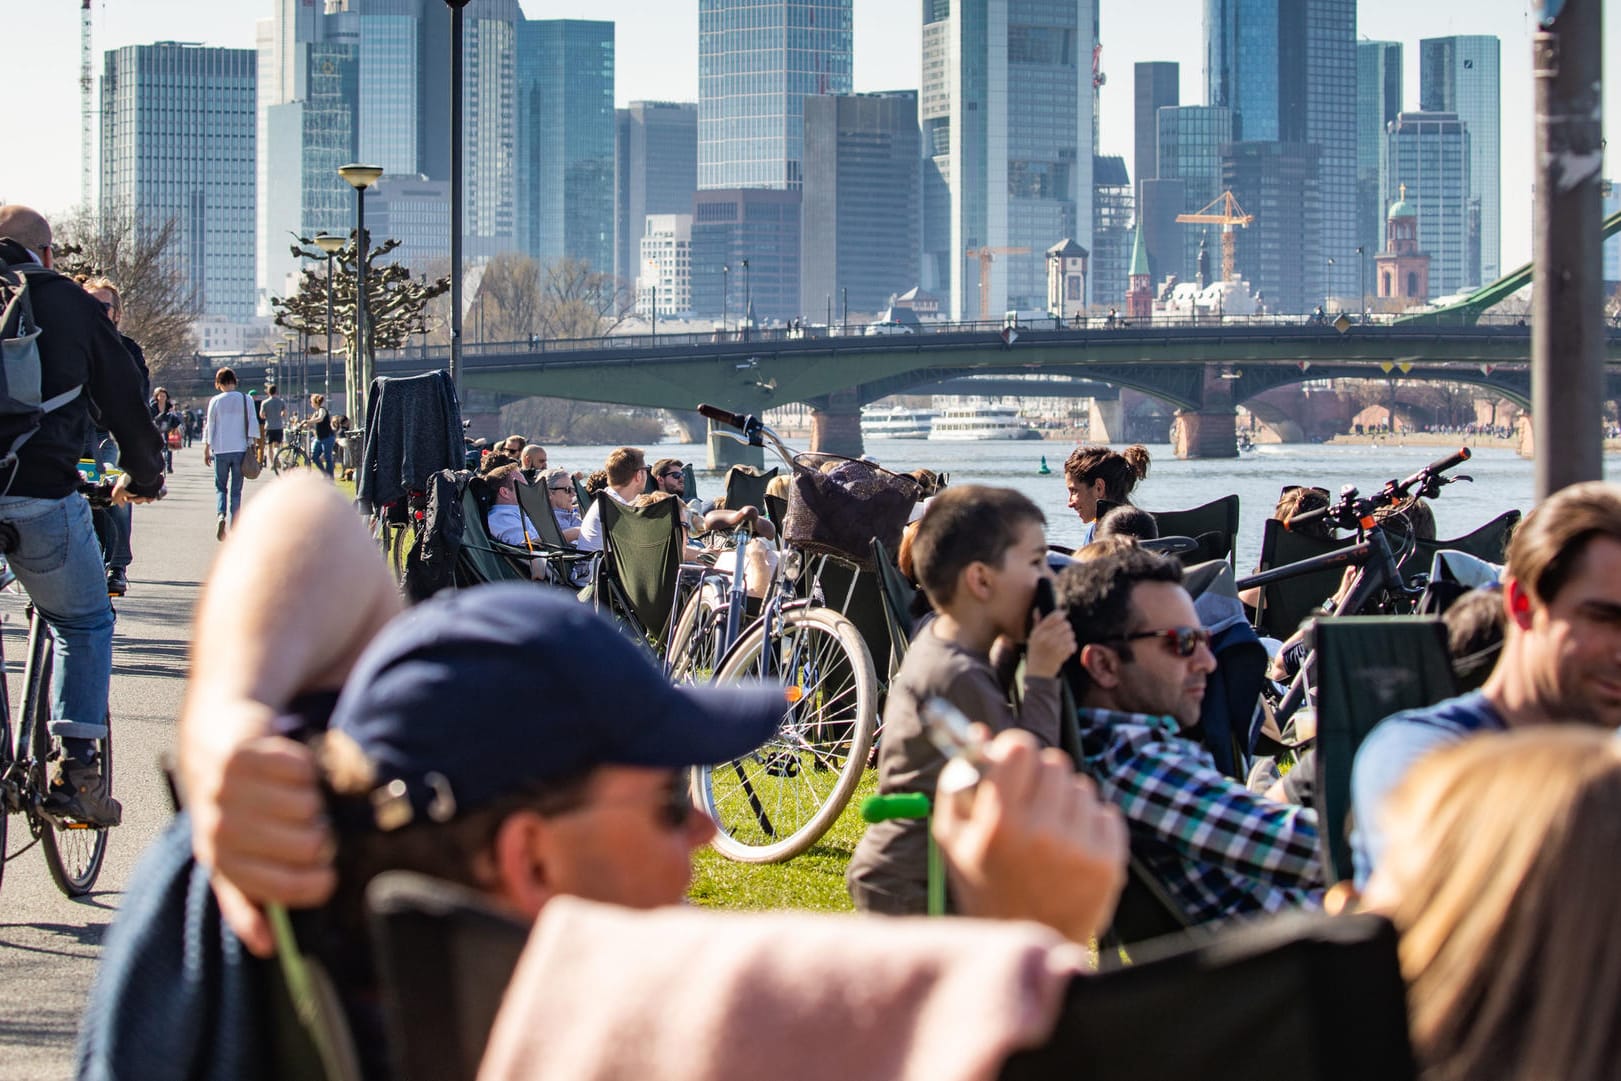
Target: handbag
250 459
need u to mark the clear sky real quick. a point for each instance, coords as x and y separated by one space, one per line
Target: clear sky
657 58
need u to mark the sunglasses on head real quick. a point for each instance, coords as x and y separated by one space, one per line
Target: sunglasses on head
1182 641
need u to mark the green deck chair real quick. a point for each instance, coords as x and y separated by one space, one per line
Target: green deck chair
898 595
482 558
745 487
1489 542
1367 667
1214 525
1285 604
582 498
776 508
561 556
639 574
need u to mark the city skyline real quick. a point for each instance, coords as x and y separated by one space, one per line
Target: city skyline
887 54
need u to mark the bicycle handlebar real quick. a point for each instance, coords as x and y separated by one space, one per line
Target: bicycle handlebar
721 416
1427 481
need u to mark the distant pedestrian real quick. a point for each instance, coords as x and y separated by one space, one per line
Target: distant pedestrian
320 424
273 415
229 435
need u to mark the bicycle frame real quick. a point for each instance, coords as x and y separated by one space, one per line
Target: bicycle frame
23 781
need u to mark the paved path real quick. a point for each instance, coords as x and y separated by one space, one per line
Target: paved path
48 944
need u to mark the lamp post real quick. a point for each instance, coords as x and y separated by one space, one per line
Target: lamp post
456 209
332 245
725 293
748 304
1362 281
360 177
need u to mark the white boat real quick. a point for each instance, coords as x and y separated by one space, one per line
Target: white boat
973 423
896 422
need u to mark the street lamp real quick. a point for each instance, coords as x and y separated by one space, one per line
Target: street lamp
1362 280
332 245
748 304
456 211
360 177
725 293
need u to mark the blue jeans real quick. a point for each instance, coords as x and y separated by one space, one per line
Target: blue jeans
59 562
321 453
228 479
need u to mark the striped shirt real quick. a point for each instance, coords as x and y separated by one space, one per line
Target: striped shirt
1221 850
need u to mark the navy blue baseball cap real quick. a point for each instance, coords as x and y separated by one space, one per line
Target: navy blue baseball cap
481 692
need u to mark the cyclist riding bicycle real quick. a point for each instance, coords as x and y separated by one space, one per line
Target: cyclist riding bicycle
46 525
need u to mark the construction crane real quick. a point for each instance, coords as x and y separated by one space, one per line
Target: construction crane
1226 213
87 87
986 257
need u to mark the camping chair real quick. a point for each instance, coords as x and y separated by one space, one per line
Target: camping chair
745 487
776 508
639 575
898 595
481 557
1367 667
582 498
561 557
1322 994
444 959
1489 542
1214 525
1233 690
1285 604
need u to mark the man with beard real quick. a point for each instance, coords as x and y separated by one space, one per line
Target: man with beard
1219 849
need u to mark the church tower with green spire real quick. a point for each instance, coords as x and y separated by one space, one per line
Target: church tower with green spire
1140 287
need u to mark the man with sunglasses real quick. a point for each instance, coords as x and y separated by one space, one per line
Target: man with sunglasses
1219 849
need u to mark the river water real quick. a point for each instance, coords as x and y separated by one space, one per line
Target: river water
1502 479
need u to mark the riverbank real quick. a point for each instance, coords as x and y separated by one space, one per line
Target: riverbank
1428 439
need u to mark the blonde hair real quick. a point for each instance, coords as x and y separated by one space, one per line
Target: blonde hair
1504 901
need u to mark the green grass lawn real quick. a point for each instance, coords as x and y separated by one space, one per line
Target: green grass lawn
813 880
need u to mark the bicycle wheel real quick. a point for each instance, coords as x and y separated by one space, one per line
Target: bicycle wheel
775 803
72 853
289 456
694 652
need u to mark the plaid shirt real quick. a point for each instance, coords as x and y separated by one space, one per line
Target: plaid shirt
1220 850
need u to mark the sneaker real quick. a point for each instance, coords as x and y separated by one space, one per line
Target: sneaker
117 582
78 792
219 528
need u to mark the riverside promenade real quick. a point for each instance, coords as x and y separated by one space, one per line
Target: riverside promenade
49 945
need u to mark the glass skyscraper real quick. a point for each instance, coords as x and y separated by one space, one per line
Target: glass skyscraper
655 172
1378 100
1111 231
386 35
1157 84
178 134
1191 138
565 189
1007 109
1287 68
1429 155
1277 183
757 59
1460 75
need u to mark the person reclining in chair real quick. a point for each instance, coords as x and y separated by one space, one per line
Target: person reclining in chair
1219 849
507 522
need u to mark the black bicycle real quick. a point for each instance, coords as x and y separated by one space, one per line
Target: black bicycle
1377 587
73 850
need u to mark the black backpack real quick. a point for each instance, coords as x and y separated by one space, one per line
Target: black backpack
21 408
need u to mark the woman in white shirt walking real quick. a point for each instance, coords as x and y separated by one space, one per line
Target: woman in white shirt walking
228 435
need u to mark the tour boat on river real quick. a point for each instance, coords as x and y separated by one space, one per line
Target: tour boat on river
974 423
897 422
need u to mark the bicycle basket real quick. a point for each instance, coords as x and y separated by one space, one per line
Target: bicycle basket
836 506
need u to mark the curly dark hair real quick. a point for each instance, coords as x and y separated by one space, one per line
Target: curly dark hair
1096 595
1119 472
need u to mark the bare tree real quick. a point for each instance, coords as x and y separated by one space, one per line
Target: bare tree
141 259
509 296
578 302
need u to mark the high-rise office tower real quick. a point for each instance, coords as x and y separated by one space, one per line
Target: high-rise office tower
1112 208
757 59
1378 100
177 145
1162 199
565 192
1007 143
1157 85
664 283
1460 75
490 124
732 227
1277 184
1288 69
1191 138
1429 157
862 206
387 38
415 211
655 172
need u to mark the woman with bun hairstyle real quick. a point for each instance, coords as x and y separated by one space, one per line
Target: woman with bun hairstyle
1094 473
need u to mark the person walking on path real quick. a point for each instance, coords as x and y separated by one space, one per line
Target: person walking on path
228 436
320 421
273 415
